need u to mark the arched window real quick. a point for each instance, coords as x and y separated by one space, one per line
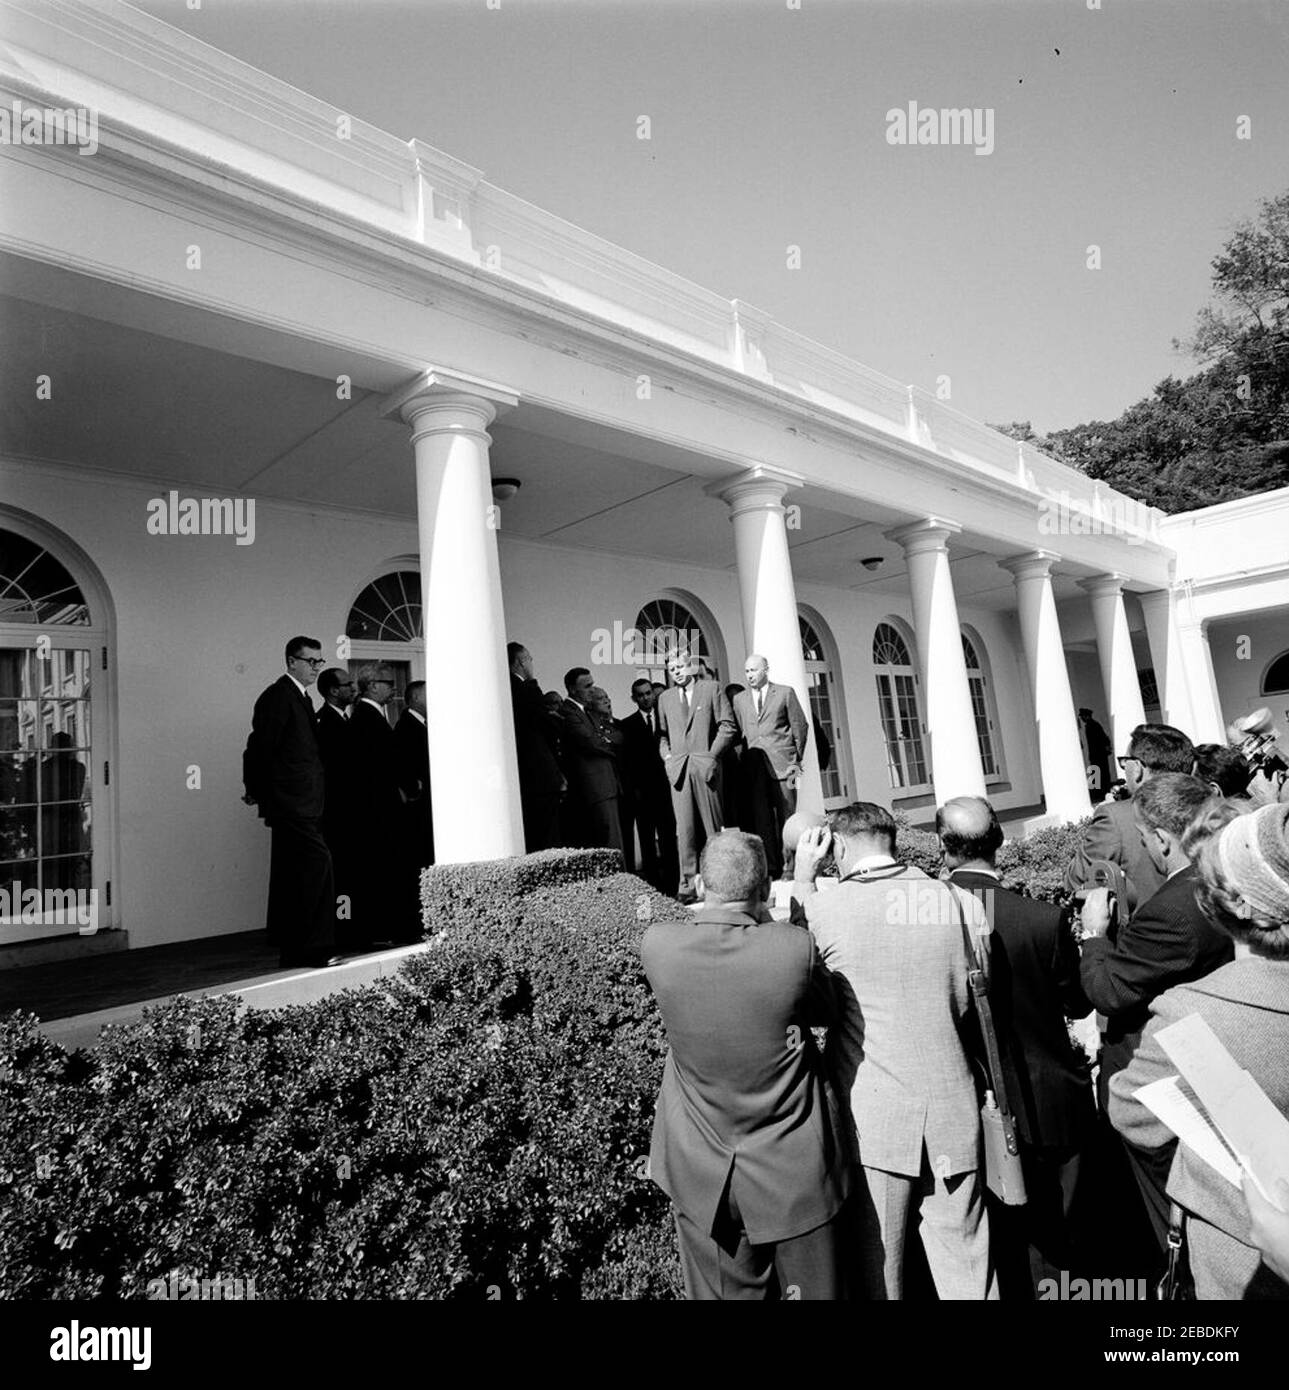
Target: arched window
385 625
53 734
1276 680
897 703
980 707
827 709
666 625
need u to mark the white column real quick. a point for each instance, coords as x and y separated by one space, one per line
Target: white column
1183 668
768 594
951 726
1060 756
1118 665
473 764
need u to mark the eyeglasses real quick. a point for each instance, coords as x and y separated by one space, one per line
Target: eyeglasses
1127 758
314 661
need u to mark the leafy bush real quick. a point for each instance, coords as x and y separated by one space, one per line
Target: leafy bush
475 1127
1034 865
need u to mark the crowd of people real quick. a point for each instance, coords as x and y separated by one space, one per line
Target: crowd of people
692 757
800 1164
347 796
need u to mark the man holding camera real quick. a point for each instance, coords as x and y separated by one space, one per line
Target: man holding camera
1112 835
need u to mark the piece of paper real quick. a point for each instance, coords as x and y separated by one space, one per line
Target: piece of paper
1239 1108
1164 1100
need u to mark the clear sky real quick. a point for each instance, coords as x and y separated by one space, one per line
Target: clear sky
1114 126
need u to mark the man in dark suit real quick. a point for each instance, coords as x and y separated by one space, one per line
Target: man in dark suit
697 727
1034 987
1096 754
412 751
284 779
1168 941
748 1141
591 766
775 734
336 686
541 779
1112 832
381 908
648 796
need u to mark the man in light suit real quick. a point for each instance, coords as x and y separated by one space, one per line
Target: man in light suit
591 766
775 733
1112 832
748 1141
903 1051
284 779
697 727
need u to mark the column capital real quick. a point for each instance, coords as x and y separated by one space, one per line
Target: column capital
438 388
1032 564
759 486
927 533
1109 583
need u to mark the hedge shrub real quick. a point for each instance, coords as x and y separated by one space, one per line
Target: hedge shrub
474 1127
1034 865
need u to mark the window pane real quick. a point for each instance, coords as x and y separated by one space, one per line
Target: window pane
18 832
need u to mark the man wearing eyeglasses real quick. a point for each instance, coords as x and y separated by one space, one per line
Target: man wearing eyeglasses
1112 833
284 779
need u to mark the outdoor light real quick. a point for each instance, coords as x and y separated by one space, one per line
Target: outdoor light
503 489
871 562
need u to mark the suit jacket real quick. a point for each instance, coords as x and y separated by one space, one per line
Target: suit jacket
335 747
412 767
700 736
1168 941
1112 834
1246 1003
536 742
1034 986
590 756
281 767
642 765
744 1099
780 733
377 802
903 1049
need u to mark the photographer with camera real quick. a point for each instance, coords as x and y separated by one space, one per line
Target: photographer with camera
1257 740
1111 835
1168 941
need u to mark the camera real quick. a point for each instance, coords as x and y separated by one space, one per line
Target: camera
1102 873
1257 740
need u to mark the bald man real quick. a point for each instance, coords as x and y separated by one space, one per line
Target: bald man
1034 988
749 1140
774 733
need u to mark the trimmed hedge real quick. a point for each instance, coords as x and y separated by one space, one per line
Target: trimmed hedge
474 1128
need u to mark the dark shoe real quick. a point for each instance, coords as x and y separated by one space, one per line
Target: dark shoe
687 896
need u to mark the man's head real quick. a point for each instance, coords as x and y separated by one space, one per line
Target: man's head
520 660
376 683
1085 714
336 687
682 668
552 699
304 659
1223 768
415 696
1155 748
793 829
579 684
861 829
600 702
644 695
969 831
756 672
733 869
1164 807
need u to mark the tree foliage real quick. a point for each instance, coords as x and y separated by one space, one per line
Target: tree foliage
1222 433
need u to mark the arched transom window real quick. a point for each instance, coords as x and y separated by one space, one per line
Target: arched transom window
388 609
